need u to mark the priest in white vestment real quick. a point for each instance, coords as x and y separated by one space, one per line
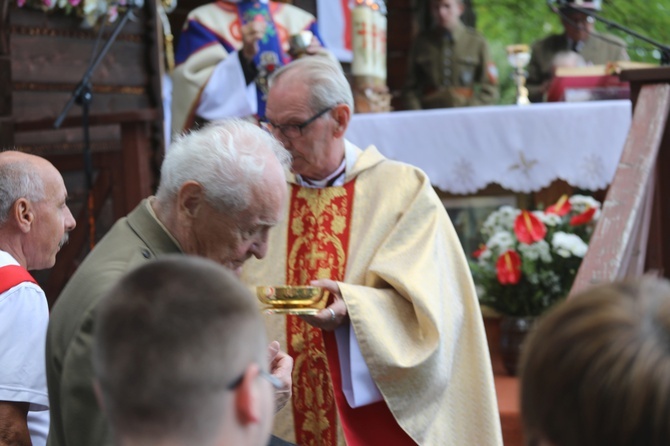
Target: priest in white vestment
399 355
225 53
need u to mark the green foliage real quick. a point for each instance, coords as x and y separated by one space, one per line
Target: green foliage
506 22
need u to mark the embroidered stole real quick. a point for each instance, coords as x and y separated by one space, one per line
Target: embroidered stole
318 242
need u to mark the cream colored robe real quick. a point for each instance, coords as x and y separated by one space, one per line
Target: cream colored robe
412 303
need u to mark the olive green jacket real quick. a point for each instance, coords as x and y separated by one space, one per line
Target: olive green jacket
450 72
76 419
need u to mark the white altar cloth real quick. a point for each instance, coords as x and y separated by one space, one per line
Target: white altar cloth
521 148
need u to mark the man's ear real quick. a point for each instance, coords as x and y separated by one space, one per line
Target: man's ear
24 214
247 397
190 197
342 114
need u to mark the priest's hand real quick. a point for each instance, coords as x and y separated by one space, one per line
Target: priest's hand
252 32
281 367
334 314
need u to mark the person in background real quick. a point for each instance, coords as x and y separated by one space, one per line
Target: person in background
578 37
221 190
180 357
34 225
403 320
596 369
225 53
450 64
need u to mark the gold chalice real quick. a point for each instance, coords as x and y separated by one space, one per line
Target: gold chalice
518 57
288 299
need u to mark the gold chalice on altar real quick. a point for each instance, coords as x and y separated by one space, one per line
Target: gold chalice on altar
288 299
518 56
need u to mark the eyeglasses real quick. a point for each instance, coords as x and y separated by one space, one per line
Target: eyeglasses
276 383
292 130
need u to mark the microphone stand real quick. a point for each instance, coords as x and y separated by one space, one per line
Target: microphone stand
83 95
665 50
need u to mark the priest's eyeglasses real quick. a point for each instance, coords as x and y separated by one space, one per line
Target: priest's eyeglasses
292 130
276 383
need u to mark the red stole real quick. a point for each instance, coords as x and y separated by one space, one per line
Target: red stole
318 243
12 275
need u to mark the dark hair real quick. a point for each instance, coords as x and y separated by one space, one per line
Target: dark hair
596 369
170 337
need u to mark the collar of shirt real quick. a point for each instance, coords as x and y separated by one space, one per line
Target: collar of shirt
160 223
7 259
340 174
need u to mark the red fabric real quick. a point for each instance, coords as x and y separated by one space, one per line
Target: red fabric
324 216
12 275
367 425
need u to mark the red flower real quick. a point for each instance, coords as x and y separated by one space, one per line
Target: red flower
479 251
508 268
583 218
528 228
561 207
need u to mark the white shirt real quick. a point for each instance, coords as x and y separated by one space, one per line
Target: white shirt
24 316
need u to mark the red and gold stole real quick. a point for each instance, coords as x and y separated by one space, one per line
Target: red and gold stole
318 242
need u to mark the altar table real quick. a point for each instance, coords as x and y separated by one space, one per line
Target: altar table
521 148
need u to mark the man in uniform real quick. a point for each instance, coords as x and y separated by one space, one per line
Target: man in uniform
224 55
403 320
578 37
222 188
450 65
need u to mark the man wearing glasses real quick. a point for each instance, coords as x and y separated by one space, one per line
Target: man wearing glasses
180 357
578 38
399 354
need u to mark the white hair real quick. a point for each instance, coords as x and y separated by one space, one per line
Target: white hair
18 179
324 76
227 158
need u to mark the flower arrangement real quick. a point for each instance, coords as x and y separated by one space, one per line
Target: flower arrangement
90 11
530 259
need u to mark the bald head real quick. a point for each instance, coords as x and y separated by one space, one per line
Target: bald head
34 219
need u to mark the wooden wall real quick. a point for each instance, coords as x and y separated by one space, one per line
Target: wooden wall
42 59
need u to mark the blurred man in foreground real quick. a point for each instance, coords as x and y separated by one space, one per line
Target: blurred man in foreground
180 358
596 369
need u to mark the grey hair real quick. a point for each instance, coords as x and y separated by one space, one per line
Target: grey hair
324 76
169 339
227 158
18 179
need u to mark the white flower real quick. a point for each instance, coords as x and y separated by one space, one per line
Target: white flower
500 220
567 245
534 251
548 219
501 241
581 203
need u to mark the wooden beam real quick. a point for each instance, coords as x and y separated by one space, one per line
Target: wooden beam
612 241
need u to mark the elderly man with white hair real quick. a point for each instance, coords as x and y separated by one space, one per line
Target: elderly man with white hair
221 191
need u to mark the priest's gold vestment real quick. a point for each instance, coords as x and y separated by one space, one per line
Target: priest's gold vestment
411 301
